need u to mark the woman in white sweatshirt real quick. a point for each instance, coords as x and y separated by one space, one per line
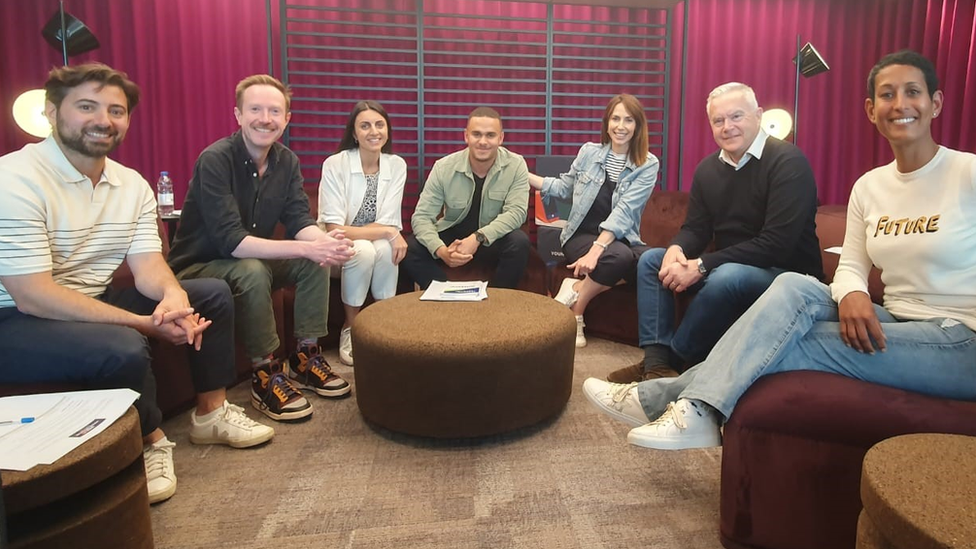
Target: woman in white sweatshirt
361 193
914 218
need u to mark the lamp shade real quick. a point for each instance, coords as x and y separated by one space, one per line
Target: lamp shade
777 123
80 39
811 62
29 113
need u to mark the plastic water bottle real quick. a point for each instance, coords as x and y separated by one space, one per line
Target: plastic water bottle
164 194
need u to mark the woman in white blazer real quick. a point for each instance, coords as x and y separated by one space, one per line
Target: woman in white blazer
360 193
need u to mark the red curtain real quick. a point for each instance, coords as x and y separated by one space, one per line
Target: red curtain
186 55
753 41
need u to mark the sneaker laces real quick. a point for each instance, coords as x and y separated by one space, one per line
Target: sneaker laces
280 382
318 363
673 415
235 415
158 458
619 393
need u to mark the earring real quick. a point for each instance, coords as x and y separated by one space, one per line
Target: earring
935 115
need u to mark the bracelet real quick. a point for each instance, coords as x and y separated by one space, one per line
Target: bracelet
392 238
600 244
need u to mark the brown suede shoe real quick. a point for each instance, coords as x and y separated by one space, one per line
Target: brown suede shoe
635 372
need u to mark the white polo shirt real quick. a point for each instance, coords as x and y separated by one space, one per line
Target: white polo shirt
53 219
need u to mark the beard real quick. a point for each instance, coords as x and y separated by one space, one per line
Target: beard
77 141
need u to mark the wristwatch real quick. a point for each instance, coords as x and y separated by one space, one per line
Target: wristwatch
701 267
482 239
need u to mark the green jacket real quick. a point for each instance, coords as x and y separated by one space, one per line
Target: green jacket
450 188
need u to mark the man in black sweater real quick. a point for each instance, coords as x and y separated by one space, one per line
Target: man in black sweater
756 200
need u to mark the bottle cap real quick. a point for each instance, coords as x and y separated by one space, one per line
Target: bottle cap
164 173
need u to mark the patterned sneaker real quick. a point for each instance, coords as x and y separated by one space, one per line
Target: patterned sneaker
687 423
228 425
345 346
160 474
309 369
274 395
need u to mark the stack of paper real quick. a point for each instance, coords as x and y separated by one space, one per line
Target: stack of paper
58 423
456 291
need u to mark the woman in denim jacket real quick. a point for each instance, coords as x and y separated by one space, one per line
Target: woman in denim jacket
609 185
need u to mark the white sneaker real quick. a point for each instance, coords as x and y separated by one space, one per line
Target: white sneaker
229 425
580 338
617 400
687 423
160 474
566 294
345 346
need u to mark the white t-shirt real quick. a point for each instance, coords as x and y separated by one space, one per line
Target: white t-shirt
53 219
919 228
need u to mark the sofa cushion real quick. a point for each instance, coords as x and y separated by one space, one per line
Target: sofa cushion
792 452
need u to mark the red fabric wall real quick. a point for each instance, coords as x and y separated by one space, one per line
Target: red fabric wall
753 41
187 55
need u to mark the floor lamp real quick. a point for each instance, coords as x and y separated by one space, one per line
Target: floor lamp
72 37
808 63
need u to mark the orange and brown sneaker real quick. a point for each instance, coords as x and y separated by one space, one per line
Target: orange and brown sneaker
308 368
274 394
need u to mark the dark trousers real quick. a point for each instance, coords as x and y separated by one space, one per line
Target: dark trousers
106 356
510 253
618 262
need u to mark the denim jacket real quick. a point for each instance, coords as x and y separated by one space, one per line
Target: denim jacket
583 181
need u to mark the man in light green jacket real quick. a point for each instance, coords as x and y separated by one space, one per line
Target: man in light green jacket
483 193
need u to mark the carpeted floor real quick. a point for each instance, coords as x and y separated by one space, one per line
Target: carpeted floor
333 481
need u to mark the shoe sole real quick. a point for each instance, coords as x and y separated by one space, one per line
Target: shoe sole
283 416
619 416
160 497
343 360
580 343
327 393
673 443
246 443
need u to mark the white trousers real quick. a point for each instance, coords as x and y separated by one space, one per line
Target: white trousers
371 268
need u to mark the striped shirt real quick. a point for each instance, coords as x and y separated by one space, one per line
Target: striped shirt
615 165
53 220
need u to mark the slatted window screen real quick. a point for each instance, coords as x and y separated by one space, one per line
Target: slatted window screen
549 69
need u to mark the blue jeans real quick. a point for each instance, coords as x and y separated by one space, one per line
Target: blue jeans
721 298
794 326
107 356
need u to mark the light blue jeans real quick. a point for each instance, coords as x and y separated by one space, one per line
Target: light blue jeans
794 326
720 298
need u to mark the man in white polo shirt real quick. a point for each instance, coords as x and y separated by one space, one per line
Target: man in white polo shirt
68 218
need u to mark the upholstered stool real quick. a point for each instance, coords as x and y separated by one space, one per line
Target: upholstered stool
95 496
463 369
919 492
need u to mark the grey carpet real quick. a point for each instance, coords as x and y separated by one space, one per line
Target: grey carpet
334 481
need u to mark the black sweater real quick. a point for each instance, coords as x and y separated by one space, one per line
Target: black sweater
762 215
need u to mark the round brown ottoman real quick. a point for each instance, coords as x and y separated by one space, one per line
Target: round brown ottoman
94 496
463 369
919 492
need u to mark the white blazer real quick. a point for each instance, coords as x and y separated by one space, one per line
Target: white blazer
343 187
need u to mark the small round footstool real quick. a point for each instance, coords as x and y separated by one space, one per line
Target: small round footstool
94 496
919 492
463 369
